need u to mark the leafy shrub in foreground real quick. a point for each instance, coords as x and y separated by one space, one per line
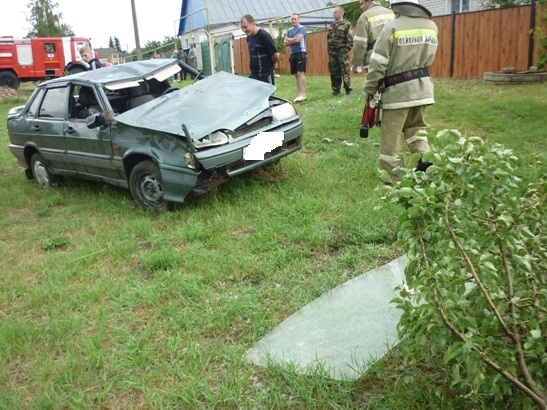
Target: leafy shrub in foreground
474 232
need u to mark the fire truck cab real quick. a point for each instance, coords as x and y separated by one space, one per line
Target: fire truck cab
37 59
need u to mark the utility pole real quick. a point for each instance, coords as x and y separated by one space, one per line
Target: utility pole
136 29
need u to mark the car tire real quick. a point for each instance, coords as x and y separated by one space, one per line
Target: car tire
41 173
76 70
146 186
8 79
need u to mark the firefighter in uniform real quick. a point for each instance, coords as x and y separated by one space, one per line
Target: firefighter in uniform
367 30
339 44
399 70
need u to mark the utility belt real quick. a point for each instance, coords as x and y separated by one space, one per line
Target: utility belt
406 76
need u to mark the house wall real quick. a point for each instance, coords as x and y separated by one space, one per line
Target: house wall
437 8
442 7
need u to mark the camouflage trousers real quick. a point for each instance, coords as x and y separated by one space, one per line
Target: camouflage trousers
339 72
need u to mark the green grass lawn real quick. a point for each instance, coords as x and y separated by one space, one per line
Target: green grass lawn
106 305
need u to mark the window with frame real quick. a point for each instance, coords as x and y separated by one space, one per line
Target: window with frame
458 6
54 103
33 108
49 47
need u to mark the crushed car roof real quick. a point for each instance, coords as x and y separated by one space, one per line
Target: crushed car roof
132 71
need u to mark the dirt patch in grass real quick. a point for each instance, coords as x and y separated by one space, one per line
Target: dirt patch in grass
7 92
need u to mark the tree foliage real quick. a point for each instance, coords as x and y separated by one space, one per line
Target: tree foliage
281 34
475 234
540 33
500 4
114 42
117 44
352 12
44 21
166 46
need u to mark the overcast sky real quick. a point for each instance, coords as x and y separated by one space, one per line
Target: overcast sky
101 19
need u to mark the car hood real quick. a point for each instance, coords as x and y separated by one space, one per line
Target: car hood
222 101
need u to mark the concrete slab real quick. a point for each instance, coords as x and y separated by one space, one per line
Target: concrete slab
340 331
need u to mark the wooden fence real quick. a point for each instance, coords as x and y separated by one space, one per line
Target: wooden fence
470 44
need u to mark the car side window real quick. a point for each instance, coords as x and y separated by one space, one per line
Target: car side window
74 107
87 102
54 104
33 108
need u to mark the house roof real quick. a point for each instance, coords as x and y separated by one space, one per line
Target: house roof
105 51
196 14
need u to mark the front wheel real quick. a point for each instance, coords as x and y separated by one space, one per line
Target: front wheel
146 186
41 173
9 79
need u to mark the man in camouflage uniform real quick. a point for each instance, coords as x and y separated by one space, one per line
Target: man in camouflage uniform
368 28
339 43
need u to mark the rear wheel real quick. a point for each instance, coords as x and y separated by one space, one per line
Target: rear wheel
41 173
146 186
8 79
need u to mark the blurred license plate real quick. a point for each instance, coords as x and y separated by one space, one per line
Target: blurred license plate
262 144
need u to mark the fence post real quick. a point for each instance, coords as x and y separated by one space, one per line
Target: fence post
452 41
532 34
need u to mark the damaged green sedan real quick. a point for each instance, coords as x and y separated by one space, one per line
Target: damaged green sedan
124 125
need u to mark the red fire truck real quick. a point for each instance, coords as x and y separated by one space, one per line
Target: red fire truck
37 59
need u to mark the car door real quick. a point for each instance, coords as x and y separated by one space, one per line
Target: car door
45 124
89 150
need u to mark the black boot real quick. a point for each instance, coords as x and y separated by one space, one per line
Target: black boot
422 166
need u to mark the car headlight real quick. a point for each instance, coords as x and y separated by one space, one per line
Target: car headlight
283 112
214 138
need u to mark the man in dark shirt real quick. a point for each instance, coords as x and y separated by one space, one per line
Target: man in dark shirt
87 55
262 50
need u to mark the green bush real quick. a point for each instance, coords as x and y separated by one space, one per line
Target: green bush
474 232
540 33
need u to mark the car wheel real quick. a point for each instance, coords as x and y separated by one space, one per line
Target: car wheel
76 70
44 178
146 186
8 79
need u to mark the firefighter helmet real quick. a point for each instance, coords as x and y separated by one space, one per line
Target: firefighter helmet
409 3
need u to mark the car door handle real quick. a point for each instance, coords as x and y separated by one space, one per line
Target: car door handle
70 130
36 128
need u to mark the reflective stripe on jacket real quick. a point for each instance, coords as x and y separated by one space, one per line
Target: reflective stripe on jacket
406 43
367 30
